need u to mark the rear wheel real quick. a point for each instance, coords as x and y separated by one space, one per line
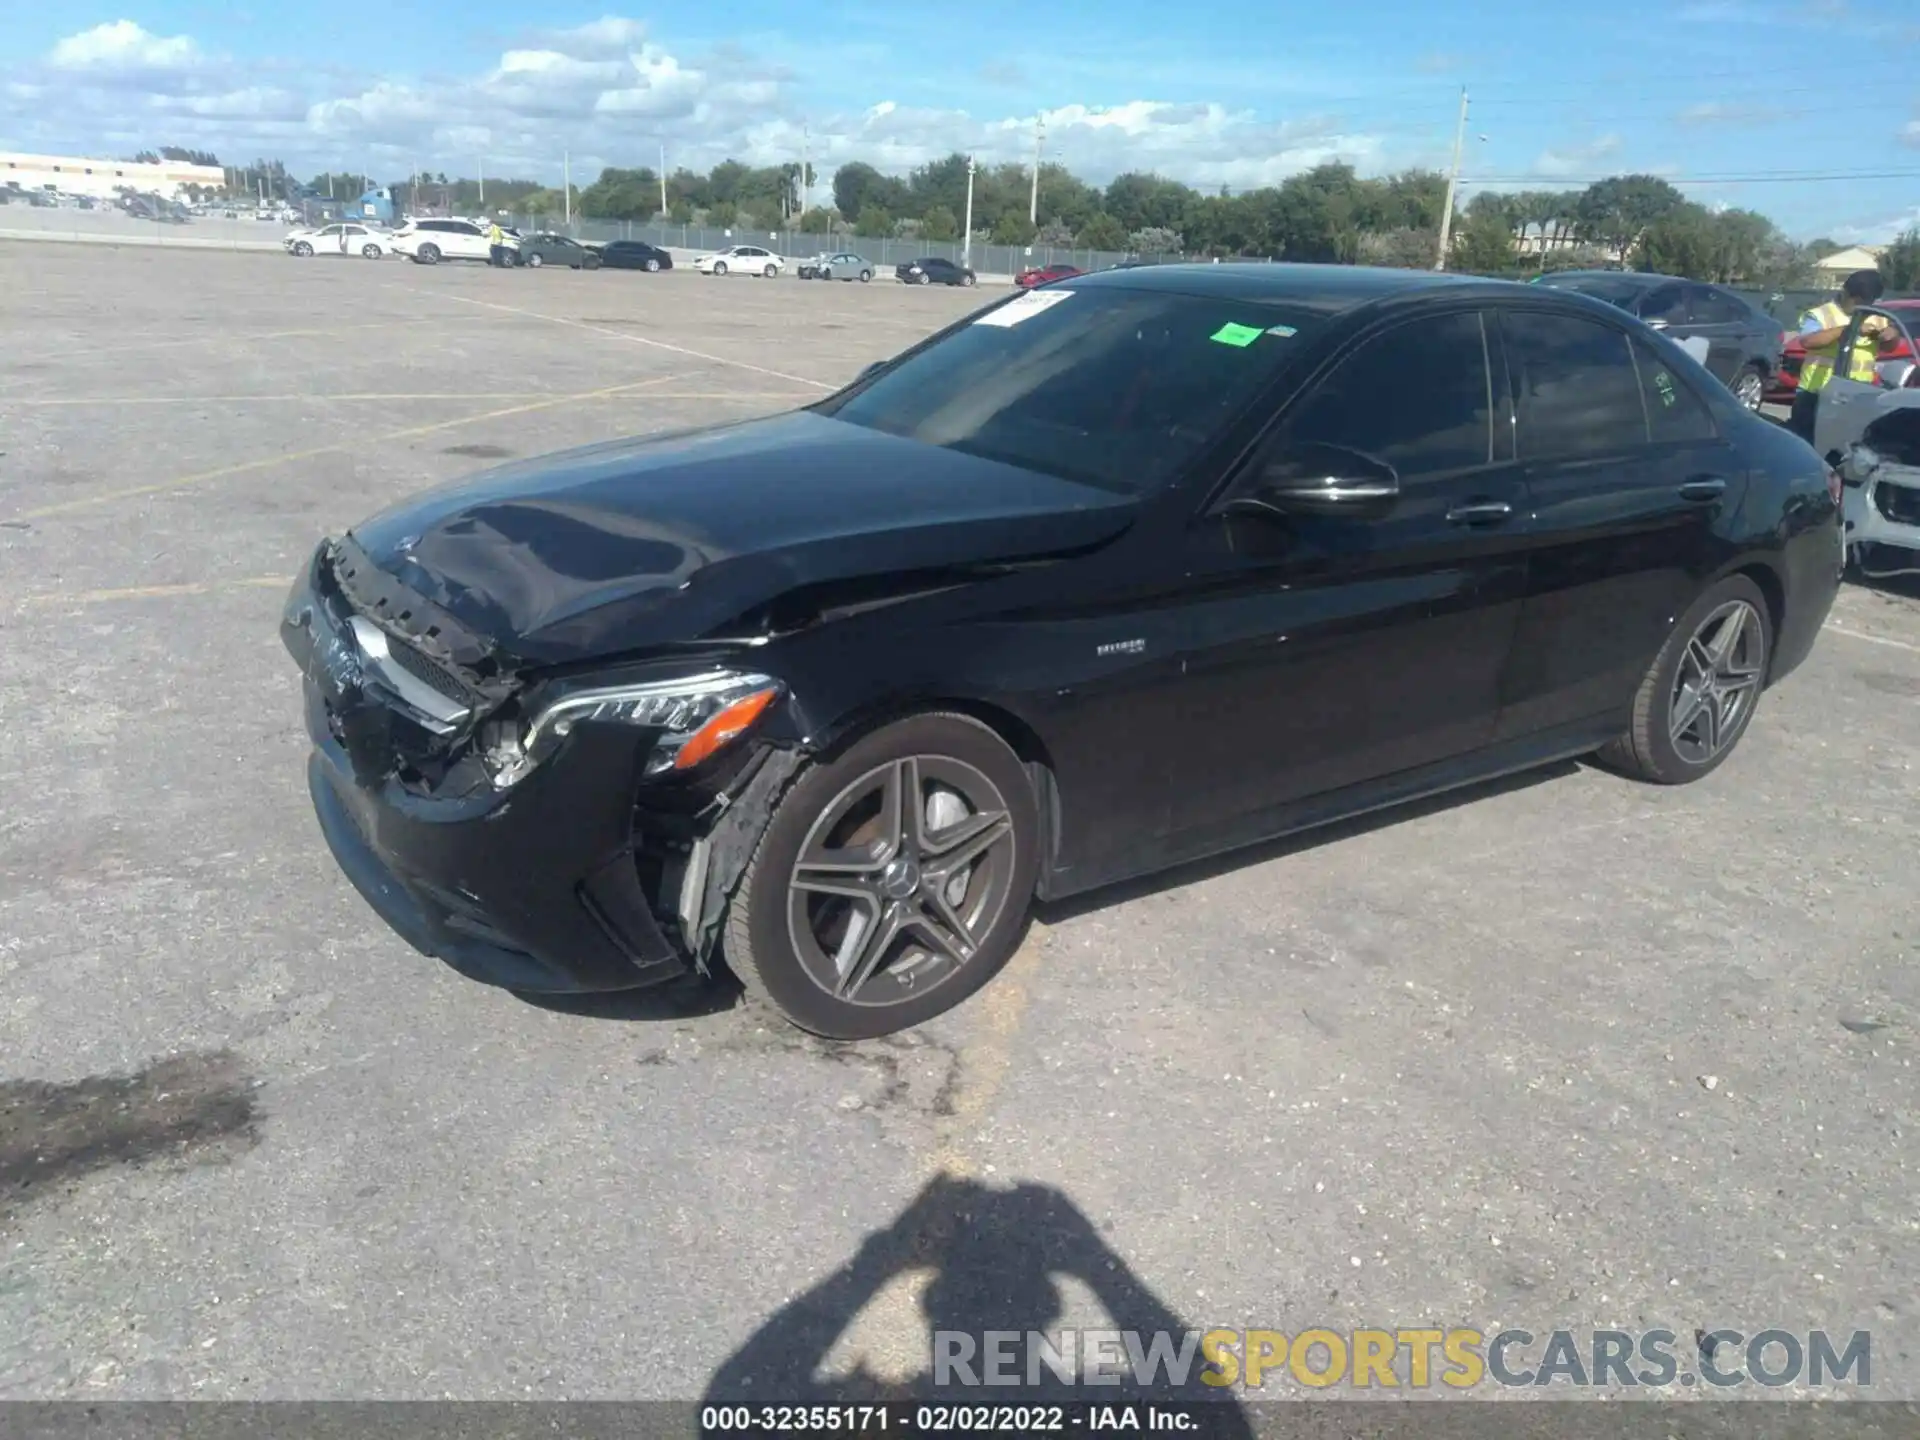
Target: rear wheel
720 267
370 251
1750 387
1700 693
865 276
924 278
771 271
428 255
536 260
892 882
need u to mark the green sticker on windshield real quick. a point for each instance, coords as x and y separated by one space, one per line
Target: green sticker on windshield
1240 335
1663 382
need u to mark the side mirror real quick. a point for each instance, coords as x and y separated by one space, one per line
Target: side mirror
1321 480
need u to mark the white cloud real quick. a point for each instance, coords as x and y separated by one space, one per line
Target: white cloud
607 95
1576 159
1910 133
123 45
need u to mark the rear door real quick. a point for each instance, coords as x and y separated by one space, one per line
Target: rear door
1327 650
1626 472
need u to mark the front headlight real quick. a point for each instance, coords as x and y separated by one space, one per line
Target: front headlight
696 716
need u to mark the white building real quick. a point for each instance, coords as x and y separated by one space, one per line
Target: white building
103 179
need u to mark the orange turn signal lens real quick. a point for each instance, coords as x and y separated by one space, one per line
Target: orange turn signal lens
724 728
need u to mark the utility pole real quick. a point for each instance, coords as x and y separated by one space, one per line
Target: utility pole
1453 184
804 138
663 181
1033 199
566 183
966 242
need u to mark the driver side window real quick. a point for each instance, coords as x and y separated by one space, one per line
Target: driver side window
1417 397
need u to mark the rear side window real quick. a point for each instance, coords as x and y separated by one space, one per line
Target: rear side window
1668 303
1675 412
1716 307
1416 397
1575 386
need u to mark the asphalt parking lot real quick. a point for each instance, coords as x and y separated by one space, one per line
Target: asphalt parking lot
1566 1053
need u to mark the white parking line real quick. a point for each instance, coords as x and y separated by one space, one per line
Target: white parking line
1906 645
631 339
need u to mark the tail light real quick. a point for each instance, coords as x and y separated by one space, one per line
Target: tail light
1834 486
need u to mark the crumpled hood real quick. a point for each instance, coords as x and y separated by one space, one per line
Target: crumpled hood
658 540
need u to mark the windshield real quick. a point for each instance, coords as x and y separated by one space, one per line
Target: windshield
1112 387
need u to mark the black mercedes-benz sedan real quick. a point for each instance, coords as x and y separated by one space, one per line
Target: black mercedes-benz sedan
1129 570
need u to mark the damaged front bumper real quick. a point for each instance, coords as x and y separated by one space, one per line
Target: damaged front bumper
564 882
1882 499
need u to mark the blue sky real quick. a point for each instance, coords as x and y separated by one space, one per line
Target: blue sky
1716 94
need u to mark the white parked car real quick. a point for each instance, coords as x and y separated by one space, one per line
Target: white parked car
428 242
342 239
1870 433
741 260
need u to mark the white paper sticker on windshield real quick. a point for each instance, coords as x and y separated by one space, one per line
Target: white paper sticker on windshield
1023 308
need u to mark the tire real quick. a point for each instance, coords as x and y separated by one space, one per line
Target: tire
778 934
865 276
535 260
303 250
594 262
653 267
370 252
924 278
1750 387
967 281
720 267
1657 749
771 271
428 255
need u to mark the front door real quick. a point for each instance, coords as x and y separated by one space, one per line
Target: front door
1626 472
1847 406
1321 651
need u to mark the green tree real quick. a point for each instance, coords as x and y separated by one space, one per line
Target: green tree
1900 263
1012 229
939 224
873 222
722 213
1483 245
1103 232
817 222
1615 212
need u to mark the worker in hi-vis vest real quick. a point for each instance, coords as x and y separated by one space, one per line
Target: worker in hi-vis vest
1821 329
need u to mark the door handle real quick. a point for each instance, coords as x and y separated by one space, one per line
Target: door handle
1704 487
1480 512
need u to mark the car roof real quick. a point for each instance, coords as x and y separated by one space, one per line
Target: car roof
1327 288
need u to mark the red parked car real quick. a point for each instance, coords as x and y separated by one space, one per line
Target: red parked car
1786 375
1027 279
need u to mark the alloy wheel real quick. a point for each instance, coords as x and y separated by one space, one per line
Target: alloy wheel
900 879
1749 389
1717 682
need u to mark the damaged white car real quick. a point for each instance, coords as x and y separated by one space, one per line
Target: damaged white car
1870 433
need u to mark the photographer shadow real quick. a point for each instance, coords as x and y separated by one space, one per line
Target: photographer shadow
978 1259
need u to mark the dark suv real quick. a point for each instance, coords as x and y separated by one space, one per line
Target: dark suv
1737 342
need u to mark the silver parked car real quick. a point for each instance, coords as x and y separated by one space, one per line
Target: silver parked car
843 266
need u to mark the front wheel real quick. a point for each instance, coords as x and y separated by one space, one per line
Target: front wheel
892 882
1750 387
1700 693
967 280
303 249
653 267
721 268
